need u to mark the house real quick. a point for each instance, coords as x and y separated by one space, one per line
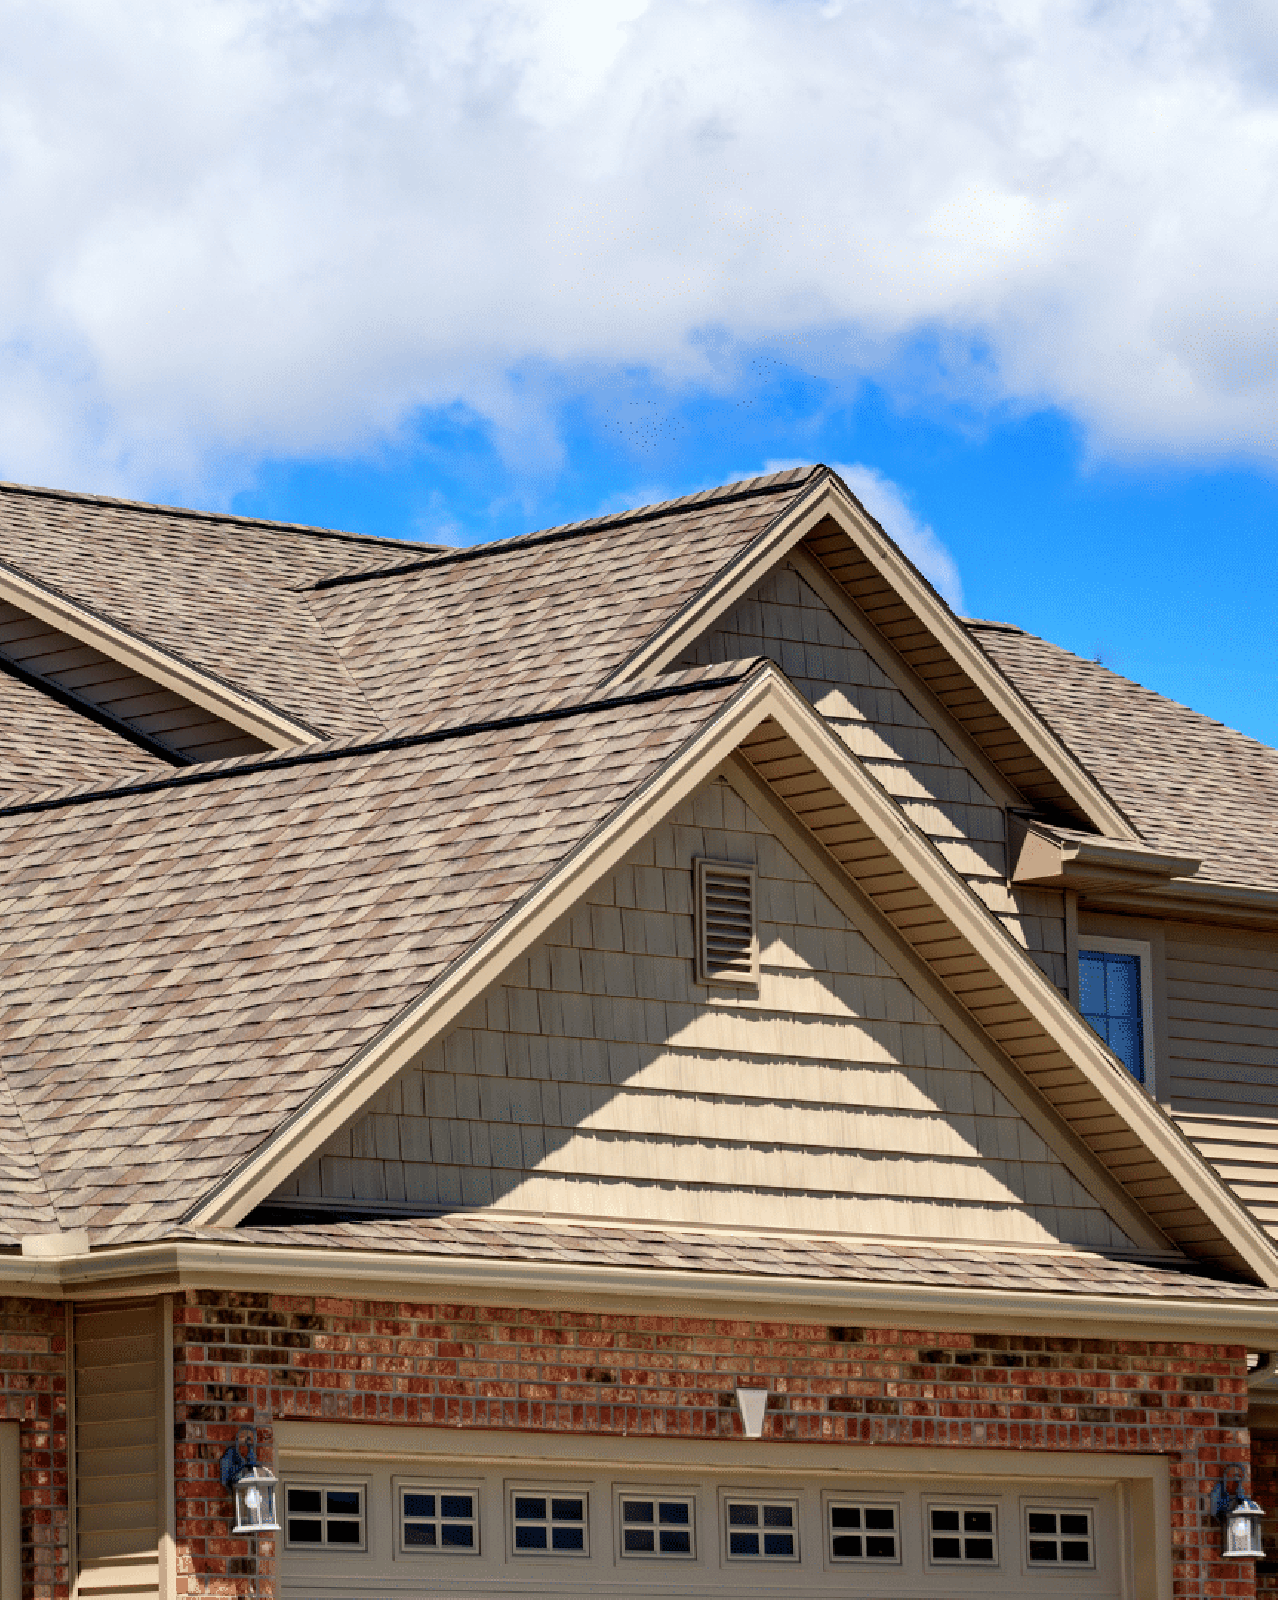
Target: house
648 1059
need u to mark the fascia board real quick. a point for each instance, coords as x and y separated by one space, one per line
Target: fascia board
957 901
166 1267
246 712
828 498
1197 899
740 575
483 964
1041 855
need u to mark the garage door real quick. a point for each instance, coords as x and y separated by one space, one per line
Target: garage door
397 1527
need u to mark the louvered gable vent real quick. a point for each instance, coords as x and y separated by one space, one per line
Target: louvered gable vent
727 938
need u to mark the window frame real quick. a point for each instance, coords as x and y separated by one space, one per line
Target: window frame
324 1485
539 1488
654 1492
761 1497
831 1498
960 1563
402 1486
1058 1507
1143 949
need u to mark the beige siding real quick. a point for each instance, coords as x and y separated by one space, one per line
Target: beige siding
125 694
784 619
1222 1039
119 1416
601 1080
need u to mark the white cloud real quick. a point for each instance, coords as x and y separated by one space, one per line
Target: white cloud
886 503
237 228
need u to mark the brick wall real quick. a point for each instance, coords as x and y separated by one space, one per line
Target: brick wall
1264 1489
33 1392
257 1358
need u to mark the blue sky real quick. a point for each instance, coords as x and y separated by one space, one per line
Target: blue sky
457 270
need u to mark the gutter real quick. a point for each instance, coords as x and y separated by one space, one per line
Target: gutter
166 1267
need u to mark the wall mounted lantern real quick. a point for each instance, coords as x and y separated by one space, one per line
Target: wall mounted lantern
752 1403
252 1485
1241 1516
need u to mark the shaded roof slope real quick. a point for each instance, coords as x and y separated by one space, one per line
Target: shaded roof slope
219 592
185 963
1190 784
540 620
46 744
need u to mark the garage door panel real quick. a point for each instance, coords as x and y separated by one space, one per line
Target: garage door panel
387 1530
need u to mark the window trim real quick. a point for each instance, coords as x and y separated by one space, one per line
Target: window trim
654 1491
830 1498
1041 1503
539 1488
1144 951
436 1486
761 1496
324 1484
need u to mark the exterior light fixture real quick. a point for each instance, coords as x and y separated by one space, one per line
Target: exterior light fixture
752 1403
1241 1516
252 1485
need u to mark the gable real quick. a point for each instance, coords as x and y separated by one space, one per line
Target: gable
784 618
598 1079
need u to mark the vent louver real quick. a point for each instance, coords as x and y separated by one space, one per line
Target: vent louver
727 941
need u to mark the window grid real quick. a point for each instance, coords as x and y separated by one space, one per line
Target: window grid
861 1531
1111 999
962 1535
657 1526
760 1529
548 1522
318 1516
438 1519
1059 1536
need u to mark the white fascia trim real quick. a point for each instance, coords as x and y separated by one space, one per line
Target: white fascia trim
483 964
829 498
955 898
245 712
164 1268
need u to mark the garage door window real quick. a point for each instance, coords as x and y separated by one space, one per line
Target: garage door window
761 1530
657 1526
961 1535
545 1523
862 1532
1059 1537
317 1515
442 1519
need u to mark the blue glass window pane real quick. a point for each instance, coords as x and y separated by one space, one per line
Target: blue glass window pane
569 1538
1110 1000
419 1505
458 1535
455 1505
676 1542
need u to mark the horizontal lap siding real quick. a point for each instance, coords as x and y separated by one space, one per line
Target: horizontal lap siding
118 1372
600 1079
127 695
1222 1030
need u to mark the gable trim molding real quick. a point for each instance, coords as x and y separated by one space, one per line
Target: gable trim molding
201 688
829 500
1181 1182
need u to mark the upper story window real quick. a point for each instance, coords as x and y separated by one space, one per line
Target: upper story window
1114 996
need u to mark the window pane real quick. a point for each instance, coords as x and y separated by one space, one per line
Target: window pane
947 1549
880 1517
1042 1550
529 1508
1076 1523
343 1532
636 1510
345 1502
419 1533
778 1544
419 1505
1122 986
641 1540
676 1542
301 1500
455 1505
945 1521
677 1511
305 1532
1075 1552
530 1538
881 1547
978 1522
778 1516
567 1510
458 1536
847 1546
1091 984
743 1516
743 1544
568 1538
846 1517
978 1549
1042 1522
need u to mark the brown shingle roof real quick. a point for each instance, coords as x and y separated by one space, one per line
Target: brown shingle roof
184 964
46 744
1189 784
755 1255
540 620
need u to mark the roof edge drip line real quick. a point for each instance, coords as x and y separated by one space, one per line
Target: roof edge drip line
304 758
576 530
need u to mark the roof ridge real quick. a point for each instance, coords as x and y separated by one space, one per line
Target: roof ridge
726 675
794 478
158 508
